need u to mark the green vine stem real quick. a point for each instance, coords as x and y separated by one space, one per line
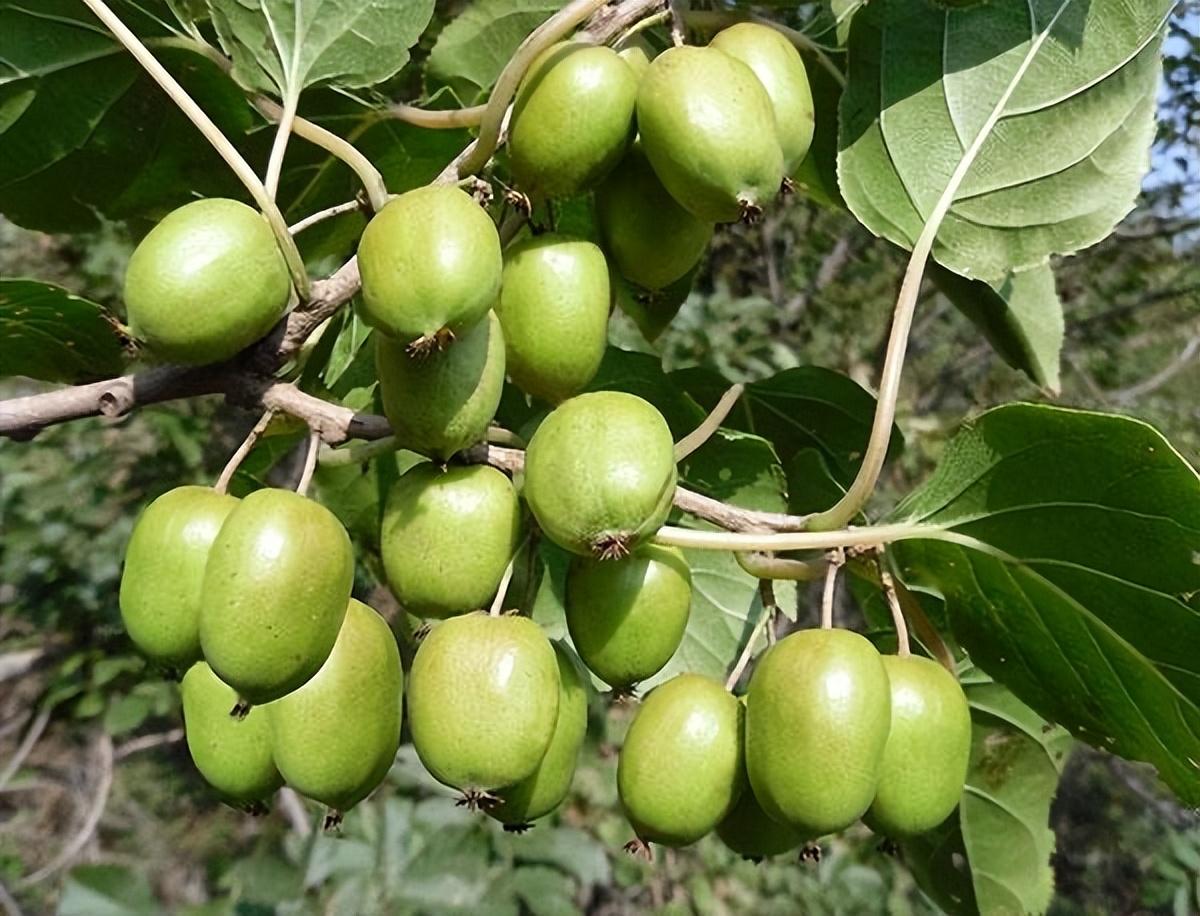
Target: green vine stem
554 29
640 26
706 20
738 541
449 119
902 317
766 566
711 424
321 215
213 135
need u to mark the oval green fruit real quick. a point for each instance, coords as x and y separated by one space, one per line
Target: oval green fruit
652 240
448 535
544 790
164 569
780 69
680 770
336 736
430 264
818 710
483 701
928 748
600 473
708 129
206 282
627 617
553 308
572 119
443 402
752 834
232 753
275 591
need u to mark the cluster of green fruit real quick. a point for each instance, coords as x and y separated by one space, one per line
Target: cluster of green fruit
827 732
251 598
290 680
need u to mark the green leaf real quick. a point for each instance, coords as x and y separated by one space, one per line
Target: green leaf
50 334
1021 316
1063 163
1065 545
472 50
106 890
805 407
285 46
87 135
573 850
993 854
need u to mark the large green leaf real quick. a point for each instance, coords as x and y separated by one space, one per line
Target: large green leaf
86 135
1021 316
284 46
992 856
1065 545
805 407
1073 84
472 50
47 333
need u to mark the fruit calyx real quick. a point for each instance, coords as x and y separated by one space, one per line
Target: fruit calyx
430 343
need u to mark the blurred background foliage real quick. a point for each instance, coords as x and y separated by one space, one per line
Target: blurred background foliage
101 812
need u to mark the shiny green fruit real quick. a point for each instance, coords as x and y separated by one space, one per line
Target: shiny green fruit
572 119
232 753
652 240
680 770
752 834
600 473
448 535
336 736
708 129
164 569
274 594
780 69
443 402
430 263
627 617
928 748
540 793
206 282
483 701
818 711
554 310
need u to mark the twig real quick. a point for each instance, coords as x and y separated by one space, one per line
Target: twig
766 566
1183 361
321 215
889 591
837 558
146 742
764 619
235 461
213 135
26 746
711 424
310 462
9 902
433 119
104 763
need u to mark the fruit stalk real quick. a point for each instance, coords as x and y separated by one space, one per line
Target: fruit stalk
836 560
310 462
213 135
502 590
235 460
764 621
702 433
889 589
